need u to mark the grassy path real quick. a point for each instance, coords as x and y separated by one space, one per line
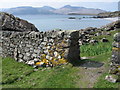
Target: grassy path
89 76
92 72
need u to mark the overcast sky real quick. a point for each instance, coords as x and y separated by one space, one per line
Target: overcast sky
110 5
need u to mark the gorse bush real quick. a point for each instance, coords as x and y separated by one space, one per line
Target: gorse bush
96 49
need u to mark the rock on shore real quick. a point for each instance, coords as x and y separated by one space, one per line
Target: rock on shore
8 22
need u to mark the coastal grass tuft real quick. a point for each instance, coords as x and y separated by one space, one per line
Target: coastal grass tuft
102 83
96 49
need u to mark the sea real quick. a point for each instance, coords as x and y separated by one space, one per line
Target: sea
55 22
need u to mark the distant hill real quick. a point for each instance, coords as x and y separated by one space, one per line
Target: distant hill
77 10
46 10
22 10
50 10
30 10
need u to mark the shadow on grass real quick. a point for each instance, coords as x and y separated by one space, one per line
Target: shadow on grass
88 63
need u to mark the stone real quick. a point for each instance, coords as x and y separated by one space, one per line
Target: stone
111 78
108 33
11 23
31 49
55 54
115 50
26 58
46 51
43 43
34 55
117 37
15 54
40 64
48 47
33 44
48 57
59 57
35 69
36 51
31 62
36 59
45 39
104 40
44 48
28 54
26 49
20 55
93 41
98 34
29 46
20 60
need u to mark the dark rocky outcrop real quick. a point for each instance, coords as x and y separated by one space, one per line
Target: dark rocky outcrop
12 23
71 18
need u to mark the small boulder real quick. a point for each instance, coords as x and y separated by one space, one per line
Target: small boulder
93 41
111 78
104 40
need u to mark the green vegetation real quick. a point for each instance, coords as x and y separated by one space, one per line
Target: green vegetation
102 83
19 75
96 49
99 48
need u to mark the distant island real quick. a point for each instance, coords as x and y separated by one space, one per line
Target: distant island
67 9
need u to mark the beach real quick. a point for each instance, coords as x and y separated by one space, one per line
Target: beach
112 19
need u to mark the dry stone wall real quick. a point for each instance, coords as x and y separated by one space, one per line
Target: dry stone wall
115 60
46 48
114 72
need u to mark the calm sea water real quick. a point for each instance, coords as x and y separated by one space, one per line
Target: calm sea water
50 22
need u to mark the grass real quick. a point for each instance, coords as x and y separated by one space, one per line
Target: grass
17 75
97 49
102 83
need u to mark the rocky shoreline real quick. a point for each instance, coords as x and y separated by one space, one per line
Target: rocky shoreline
109 14
112 16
